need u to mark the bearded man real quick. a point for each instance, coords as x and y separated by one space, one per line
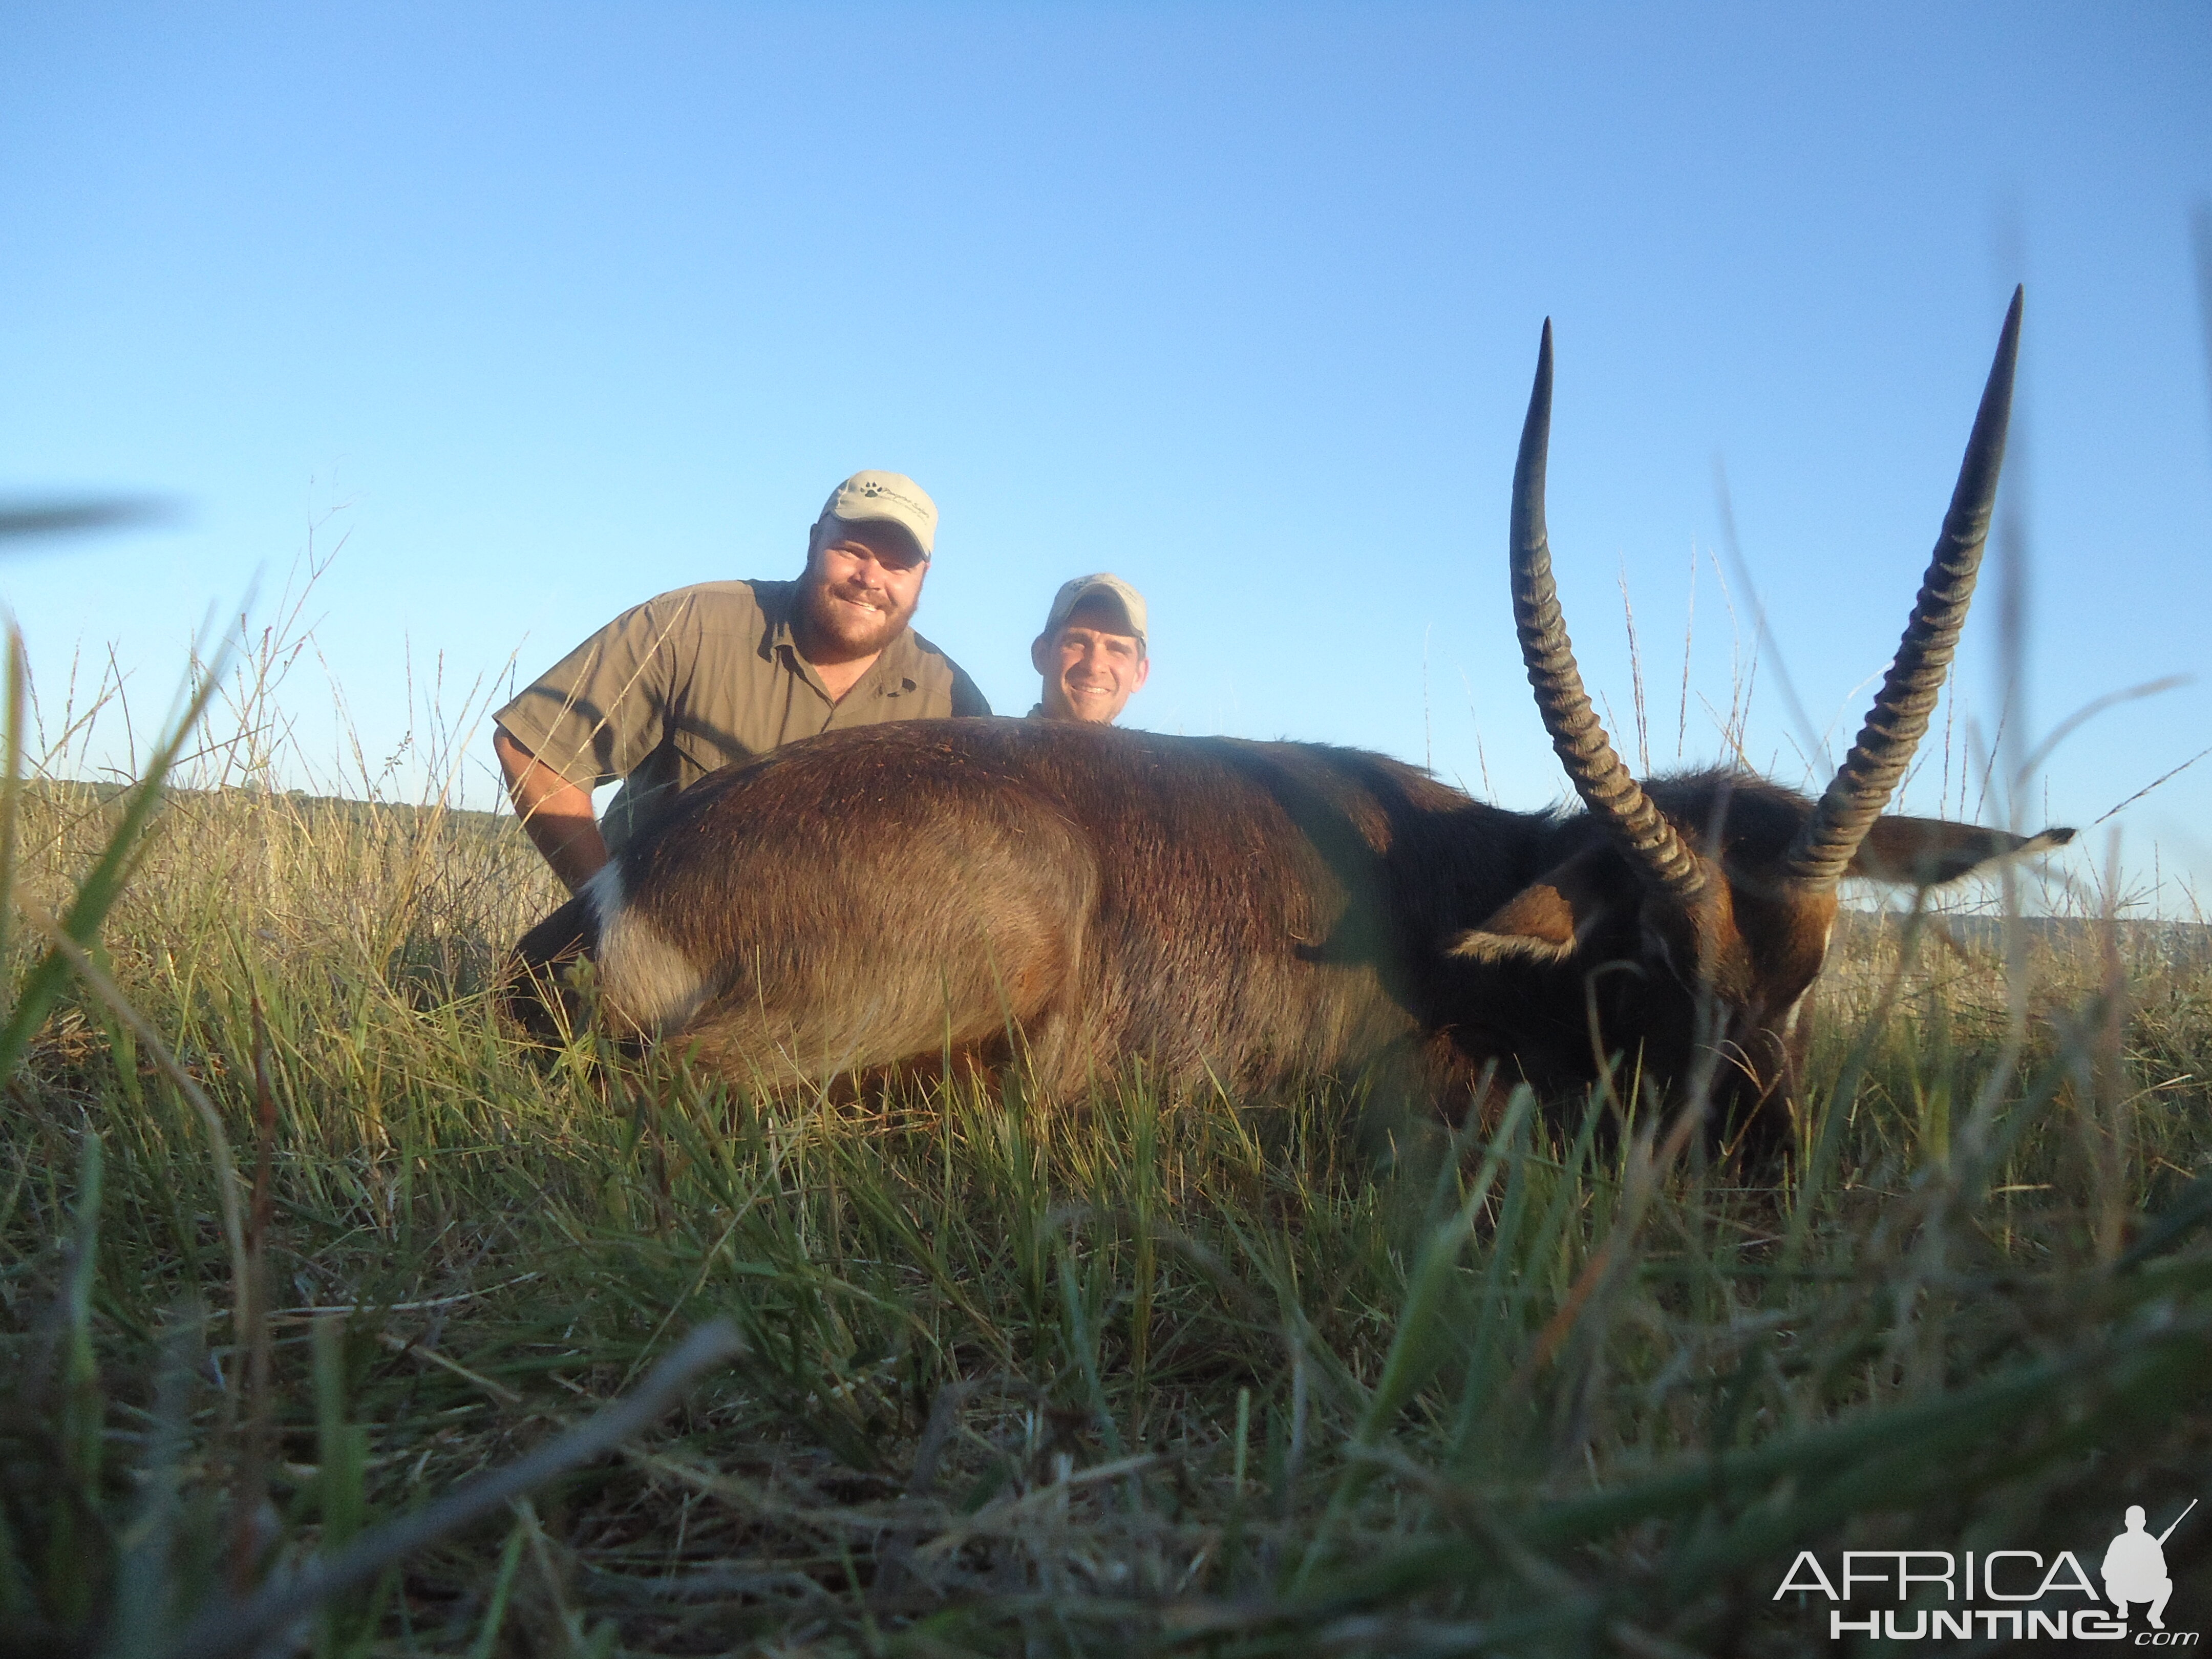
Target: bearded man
708 676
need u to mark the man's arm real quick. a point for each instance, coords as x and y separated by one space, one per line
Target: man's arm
968 700
555 813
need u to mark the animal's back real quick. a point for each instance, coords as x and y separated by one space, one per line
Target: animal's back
892 893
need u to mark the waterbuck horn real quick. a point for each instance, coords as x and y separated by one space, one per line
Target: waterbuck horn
1607 787
1864 783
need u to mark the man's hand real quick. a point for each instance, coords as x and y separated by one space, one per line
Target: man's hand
555 813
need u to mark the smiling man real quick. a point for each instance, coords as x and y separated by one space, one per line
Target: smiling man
1091 653
707 676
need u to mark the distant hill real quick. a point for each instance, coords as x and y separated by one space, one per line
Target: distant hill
2178 942
299 800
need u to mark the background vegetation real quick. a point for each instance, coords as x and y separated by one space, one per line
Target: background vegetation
295 1240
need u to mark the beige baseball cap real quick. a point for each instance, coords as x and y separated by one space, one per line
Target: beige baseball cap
1103 585
886 498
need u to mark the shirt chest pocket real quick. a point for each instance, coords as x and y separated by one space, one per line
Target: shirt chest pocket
701 750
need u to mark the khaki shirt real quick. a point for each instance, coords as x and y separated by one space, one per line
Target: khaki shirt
703 678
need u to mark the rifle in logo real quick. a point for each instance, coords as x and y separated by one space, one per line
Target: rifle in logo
2134 1565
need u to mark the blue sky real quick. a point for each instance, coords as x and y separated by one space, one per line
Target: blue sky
544 309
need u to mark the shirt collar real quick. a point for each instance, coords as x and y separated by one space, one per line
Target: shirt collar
894 671
899 671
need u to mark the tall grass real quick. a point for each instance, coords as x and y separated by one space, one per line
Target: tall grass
1151 1372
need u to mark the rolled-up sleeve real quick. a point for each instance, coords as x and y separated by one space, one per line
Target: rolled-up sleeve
600 711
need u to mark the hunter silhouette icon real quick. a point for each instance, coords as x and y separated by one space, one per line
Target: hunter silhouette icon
2135 1566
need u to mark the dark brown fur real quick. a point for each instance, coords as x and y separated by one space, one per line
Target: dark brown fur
1248 912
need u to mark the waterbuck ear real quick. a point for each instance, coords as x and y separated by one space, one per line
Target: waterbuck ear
1929 852
1541 923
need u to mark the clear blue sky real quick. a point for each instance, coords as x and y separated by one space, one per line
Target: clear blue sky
547 308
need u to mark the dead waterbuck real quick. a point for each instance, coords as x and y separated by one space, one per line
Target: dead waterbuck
1257 912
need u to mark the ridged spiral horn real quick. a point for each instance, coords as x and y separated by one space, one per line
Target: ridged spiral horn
1894 726
1607 787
